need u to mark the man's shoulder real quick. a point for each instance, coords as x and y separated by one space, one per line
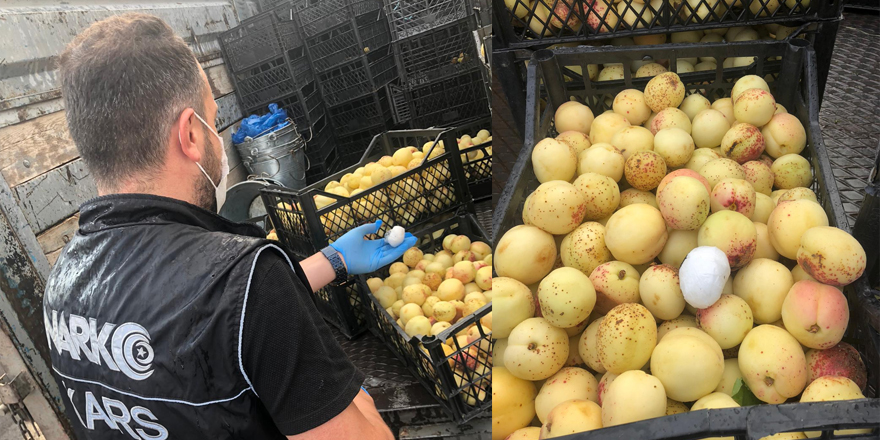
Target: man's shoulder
268 259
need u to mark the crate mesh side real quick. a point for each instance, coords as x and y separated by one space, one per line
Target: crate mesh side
352 147
253 42
263 84
301 71
478 168
366 7
411 198
323 15
342 306
410 17
334 47
351 80
298 106
289 34
469 364
374 31
448 101
319 170
439 53
362 113
399 104
295 5
576 20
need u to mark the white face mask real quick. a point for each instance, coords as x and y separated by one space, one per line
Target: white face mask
220 188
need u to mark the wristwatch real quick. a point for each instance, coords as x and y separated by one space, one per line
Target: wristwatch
336 262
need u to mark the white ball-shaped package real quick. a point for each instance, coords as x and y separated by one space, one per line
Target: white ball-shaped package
702 276
395 236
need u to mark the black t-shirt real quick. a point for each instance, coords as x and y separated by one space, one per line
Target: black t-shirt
297 368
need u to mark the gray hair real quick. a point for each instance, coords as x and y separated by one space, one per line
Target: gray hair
125 80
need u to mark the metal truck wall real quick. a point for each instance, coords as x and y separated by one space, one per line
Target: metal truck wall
42 179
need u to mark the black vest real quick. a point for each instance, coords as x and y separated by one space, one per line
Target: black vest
144 314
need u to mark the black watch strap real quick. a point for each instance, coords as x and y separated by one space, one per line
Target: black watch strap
336 262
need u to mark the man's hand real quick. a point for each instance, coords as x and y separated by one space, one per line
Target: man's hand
359 255
360 421
365 256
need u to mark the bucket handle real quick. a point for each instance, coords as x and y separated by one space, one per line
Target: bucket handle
292 151
288 120
311 134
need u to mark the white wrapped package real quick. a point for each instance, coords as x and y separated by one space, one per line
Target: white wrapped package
702 276
395 236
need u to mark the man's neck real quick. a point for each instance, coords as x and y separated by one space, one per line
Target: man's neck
157 187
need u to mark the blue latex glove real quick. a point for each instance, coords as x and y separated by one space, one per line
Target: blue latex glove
367 256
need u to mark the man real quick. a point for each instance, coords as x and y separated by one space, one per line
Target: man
164 319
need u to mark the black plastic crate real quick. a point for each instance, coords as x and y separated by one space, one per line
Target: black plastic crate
289 30
798 93
411 199
334 46
296 5
863 5
445 51
449 101
477 160
370 110
399 103
368 73
301 71
253 42
318 171
464 391
304 106
512 78
366 7
536 25
373 30
321 15
262 84
323 154
867 231
348 40
411 17
352 147
320 141
863 315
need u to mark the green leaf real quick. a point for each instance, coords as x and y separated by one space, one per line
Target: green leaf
743 395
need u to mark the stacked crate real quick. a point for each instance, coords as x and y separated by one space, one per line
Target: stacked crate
523 26
269 63
442 76
306 106
349 44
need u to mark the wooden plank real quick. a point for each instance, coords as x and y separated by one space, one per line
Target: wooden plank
35 147
30 111
21 307
228 111
56 195
53 256
57 236
31 148
10 207
218 78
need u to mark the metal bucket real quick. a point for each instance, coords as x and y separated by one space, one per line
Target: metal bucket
288 167
253 149
279 155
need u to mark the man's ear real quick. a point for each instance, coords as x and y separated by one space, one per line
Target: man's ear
188 137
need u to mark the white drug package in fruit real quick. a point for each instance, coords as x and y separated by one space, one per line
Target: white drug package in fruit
395 236
702 276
